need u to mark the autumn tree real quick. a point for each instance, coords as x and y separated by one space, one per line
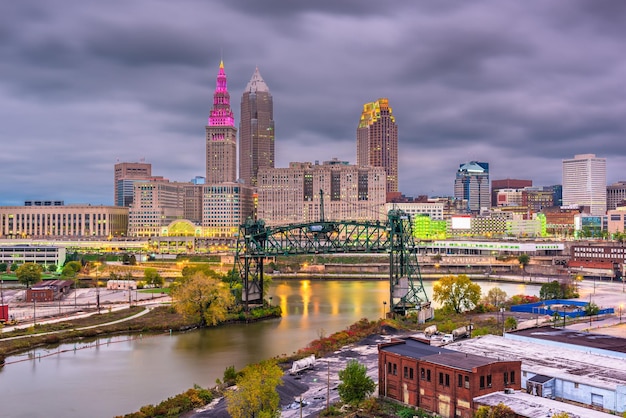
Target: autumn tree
28 273
497 411
355 384
256 394
560 415
495 297
457 293
202 299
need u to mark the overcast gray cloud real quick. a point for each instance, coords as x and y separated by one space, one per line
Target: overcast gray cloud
521 85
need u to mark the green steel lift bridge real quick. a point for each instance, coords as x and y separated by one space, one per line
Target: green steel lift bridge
257 242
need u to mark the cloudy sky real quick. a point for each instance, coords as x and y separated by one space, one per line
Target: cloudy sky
521 85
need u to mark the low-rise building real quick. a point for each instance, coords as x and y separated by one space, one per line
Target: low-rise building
44 255
63 221
586 369
441 380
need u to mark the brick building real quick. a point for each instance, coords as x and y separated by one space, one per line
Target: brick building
441 380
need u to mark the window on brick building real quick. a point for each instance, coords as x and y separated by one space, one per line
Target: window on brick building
460 384
506 378
466 382
441 378
422 373
512 377
447 380
411 373
406 372
488 380
428 375
482 382
395 369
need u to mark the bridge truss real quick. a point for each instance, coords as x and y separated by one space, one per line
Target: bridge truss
256 243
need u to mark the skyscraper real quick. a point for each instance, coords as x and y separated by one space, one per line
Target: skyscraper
584 183
377 140
256 130
472 184
221 136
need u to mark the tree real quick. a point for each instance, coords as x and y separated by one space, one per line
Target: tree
591 309
189 271
152 276
556 290
523 260
256 394
3 267
52 268
355 384
203 299
498 411
510 323
14 267
560 415
457 293
495 296
71 268
29 273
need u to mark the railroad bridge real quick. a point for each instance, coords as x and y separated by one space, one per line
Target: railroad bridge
257 242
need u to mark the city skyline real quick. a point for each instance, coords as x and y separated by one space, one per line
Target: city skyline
90 84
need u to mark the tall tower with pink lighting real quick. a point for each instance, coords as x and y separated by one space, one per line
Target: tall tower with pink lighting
221 136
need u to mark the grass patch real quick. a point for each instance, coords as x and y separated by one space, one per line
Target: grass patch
159 291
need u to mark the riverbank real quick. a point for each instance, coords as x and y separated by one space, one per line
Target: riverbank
91 325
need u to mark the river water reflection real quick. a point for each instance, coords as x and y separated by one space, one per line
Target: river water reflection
118 375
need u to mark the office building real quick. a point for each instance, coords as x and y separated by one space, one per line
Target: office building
472 185
377 141
157 204
433 209
63 221
497 185
584 183
225 207
292 195
125 176
256 130
221 136
616 195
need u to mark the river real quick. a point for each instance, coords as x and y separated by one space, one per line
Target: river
118 375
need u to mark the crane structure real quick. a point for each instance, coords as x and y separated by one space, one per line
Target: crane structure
256 242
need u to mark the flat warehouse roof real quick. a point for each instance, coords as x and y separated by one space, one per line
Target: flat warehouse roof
563 363
583 339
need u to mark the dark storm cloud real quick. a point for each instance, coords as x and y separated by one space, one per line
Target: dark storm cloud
519 85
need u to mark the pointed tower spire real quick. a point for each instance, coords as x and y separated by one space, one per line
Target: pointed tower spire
221 113
257 83
221 135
